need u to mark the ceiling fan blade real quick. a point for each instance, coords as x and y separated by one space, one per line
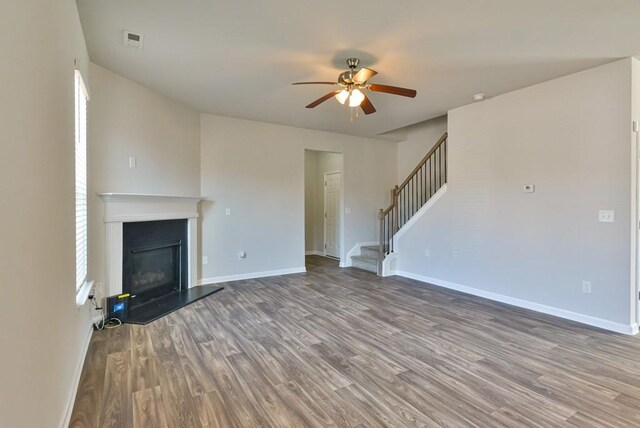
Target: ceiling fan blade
411 93
366 105
314 83
363 75
322 99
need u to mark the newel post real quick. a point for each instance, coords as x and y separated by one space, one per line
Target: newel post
381 219
396 192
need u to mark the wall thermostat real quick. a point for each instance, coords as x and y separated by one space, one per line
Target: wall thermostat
529 188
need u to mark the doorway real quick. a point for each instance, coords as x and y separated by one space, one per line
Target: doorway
323 203
332 191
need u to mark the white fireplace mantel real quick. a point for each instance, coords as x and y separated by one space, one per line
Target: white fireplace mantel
120 208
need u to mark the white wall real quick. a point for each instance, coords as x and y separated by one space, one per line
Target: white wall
316 165
127 119
44 334
257 170
416 142
571 138
635 116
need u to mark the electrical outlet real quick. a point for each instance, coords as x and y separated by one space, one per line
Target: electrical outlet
586 287
427 252
205 260
347 210
606 216
133 163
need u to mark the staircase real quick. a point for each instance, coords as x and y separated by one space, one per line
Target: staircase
406 200
368 259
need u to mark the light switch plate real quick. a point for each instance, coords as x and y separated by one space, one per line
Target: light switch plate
529 188
133 163
227 211
347 210
205 260
586 287
606 216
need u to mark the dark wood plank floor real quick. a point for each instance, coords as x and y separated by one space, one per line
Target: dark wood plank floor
342 347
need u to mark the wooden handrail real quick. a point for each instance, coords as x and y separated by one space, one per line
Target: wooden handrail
407 198
423 161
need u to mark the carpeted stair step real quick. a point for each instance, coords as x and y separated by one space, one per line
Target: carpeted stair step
365 263
370 251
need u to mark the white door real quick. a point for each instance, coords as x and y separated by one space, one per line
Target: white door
332 185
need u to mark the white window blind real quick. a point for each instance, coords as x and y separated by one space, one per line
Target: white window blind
81 179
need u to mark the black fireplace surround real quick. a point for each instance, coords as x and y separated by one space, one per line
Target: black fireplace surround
154 259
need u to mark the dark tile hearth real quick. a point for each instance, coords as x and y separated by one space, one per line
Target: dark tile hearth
157 308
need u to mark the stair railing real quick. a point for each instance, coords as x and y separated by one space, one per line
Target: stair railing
407 198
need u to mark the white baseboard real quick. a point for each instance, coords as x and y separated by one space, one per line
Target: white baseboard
314 253
355 251
66 419
250 275
631 329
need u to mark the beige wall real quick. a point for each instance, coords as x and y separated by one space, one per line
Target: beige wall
44 333
316 165
257 170
571 137
127 119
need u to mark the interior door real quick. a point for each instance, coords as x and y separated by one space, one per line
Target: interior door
332 188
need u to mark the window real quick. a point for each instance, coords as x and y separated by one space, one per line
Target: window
81 179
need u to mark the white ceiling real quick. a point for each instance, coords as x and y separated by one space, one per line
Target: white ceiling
238 57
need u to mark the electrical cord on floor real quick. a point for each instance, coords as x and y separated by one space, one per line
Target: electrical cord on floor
113 323
107 323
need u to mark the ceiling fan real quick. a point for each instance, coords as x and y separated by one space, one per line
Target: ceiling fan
352 85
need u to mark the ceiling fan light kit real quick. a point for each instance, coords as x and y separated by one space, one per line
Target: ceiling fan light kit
342 96
353 86
356 98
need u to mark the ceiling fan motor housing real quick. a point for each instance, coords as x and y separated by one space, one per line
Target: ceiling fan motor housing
346 78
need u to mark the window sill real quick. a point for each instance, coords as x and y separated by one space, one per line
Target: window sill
82 295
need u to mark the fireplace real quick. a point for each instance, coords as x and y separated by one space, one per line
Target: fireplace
152 249
128 209
154 259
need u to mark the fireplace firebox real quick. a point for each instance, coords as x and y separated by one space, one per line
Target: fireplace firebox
154 259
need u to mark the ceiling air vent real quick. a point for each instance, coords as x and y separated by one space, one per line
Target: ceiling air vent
133 40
